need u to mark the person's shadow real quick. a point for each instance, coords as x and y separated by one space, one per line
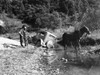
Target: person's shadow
11 46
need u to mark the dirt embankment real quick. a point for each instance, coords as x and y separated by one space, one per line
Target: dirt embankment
15 60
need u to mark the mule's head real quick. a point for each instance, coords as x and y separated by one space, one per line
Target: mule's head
85 30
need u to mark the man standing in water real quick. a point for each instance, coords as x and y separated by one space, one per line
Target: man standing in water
23 36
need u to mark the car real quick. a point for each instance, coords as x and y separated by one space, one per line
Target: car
44 37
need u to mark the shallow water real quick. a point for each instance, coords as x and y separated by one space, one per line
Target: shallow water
76 69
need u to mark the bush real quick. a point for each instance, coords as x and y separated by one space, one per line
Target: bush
52 13
49 20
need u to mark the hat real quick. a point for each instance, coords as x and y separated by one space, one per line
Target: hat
24 26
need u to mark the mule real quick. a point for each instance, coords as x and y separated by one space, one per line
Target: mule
74 38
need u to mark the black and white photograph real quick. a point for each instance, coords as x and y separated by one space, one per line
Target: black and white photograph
49 37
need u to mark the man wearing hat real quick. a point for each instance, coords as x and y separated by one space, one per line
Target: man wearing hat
23 36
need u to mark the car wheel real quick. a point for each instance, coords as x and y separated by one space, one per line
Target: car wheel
38 44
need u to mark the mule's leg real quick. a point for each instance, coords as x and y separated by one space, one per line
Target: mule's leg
71 45
76 49
65 47
79 45
64 50
95 42
64 56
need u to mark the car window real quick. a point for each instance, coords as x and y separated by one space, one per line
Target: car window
42 32
52 36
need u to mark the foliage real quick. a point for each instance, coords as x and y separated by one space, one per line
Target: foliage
49 20
50 13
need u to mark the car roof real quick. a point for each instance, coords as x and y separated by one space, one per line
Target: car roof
51 34
46 32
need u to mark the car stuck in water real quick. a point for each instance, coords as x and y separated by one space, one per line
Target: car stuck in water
44 38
